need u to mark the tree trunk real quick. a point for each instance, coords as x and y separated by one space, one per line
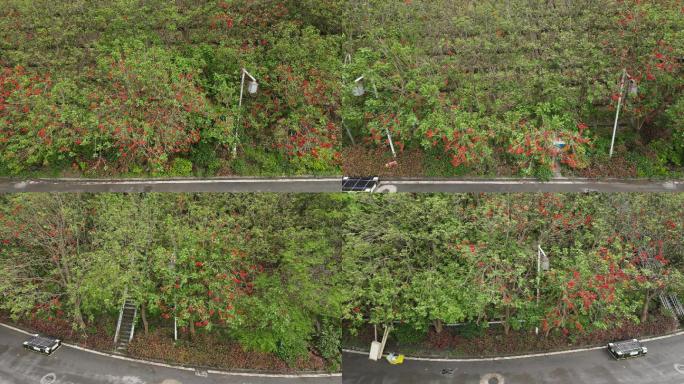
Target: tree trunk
143 317
439 326
506 325
78 317
644 309
192 330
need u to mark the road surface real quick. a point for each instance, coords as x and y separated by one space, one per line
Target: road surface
334 184
527 185
72 366
664 364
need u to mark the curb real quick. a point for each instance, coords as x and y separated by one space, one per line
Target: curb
184 368
543 354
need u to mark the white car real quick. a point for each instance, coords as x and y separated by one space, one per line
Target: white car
42 344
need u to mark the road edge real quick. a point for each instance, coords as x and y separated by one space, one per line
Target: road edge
182 367
514 357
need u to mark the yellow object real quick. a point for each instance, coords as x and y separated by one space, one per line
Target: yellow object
395 359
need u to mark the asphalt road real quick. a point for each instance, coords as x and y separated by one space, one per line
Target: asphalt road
72 366
333 184
527 185
664 364
245 184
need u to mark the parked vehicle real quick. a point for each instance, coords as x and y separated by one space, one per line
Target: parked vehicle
43 344
626 349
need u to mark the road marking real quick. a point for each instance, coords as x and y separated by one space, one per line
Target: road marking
492 378
386 188
446 360
48 378
245 374
679 368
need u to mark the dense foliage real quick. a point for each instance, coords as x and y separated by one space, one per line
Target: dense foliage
109 87
430 260
259 269
277 273
484 83
120 87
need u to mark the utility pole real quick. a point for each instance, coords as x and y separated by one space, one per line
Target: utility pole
617 113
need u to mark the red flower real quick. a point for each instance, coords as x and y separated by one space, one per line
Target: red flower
199 264
582 127
42 133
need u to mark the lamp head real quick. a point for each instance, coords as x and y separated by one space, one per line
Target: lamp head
252 87
358 89
633 87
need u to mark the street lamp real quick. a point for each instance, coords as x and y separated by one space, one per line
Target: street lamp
172 266
559 144
542 264
252 87
358 91
617 112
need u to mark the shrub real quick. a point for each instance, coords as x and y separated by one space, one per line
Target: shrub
328 341
408 334
181 167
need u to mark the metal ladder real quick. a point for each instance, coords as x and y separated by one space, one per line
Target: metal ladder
671 302
125 327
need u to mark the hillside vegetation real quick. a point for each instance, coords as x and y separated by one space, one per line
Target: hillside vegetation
152 88
470 87
474 85
277 274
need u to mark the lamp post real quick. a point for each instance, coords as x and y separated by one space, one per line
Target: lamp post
252 88
617 113
172 266
358 91
542 263
559 144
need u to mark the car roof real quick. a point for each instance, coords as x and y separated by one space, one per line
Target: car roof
42 341
626 345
